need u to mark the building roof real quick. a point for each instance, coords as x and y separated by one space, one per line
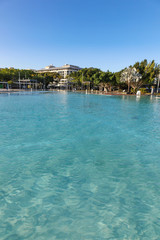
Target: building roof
66 66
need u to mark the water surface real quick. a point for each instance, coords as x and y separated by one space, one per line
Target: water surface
76 166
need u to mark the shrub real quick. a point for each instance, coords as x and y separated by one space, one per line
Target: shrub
143 90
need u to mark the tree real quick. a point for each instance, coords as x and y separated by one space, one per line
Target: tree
107 80
157 75
86 77
147 71
132 77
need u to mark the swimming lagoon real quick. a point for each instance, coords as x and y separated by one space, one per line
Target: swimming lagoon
78 166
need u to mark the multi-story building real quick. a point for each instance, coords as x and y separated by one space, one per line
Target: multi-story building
63 71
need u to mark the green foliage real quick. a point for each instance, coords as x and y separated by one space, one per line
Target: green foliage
93 77
143 90
10 82
90 77
147 70
133 91
7 74
11 74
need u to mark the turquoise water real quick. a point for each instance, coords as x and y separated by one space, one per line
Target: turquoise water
76 166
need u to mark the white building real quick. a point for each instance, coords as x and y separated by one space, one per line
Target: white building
63 71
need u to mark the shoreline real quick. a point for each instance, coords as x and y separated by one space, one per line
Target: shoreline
96 92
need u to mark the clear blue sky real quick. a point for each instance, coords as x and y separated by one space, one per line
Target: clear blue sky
108 34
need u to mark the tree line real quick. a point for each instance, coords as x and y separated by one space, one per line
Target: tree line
12 75
141 74
132 78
